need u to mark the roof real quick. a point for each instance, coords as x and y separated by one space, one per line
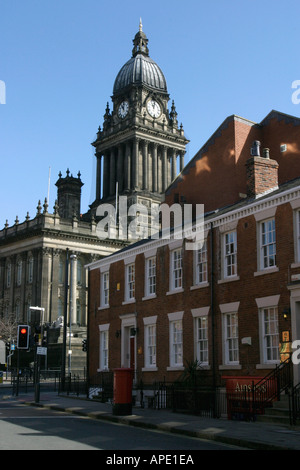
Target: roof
140 70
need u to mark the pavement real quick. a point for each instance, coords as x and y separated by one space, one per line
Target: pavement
249 435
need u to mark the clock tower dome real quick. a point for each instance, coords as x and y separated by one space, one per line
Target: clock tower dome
140 148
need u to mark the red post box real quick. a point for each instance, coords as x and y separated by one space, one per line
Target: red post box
122 401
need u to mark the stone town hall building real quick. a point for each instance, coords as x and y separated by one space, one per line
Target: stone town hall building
139 151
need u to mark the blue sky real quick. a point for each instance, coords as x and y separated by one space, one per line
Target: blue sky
59 60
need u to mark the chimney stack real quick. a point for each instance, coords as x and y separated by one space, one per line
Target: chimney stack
262 172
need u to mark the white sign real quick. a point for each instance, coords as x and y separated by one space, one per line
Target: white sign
41 351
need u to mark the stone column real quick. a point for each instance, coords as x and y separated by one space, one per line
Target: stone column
99 176
120 170
112 179
135 164
106 172
169 159
164 168
145 165
154 168
174 169
182 160
127 167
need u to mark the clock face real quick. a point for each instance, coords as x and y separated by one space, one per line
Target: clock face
153 108
123 109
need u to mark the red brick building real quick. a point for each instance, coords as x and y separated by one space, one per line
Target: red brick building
155 304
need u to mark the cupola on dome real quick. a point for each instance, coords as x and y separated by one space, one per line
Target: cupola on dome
140 69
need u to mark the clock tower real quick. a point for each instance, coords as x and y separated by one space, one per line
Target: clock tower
140 148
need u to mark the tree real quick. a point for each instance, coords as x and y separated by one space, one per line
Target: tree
8 328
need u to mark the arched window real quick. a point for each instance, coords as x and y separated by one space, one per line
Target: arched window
61 271
8 274
30 269
19 272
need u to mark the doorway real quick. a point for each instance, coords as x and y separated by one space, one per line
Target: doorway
295 324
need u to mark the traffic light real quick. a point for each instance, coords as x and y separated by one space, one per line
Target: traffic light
23 337
84 345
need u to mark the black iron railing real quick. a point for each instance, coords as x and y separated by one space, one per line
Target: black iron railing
190 399
272 385
294 404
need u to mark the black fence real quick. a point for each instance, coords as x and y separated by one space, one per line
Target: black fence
210 403
24 381
295 405
99 387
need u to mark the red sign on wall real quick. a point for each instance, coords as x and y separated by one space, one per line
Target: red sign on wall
246 395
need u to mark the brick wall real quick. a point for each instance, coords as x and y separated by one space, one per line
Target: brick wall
262 175
216 176
247 287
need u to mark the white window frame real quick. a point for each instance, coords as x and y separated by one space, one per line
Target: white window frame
176 269
201 342
200 260
150 344
150 278
104 291
104 347
201 329
130 282
268 245
230 335
270 334
267 304
230 254
231 338
175 341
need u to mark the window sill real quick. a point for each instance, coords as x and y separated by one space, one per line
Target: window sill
229 279
148 297
200 286
267 365
170 368
204 367
230 366
175 291
274 269
149 369
126 302
103 307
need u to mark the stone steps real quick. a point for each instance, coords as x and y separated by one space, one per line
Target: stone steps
278 413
